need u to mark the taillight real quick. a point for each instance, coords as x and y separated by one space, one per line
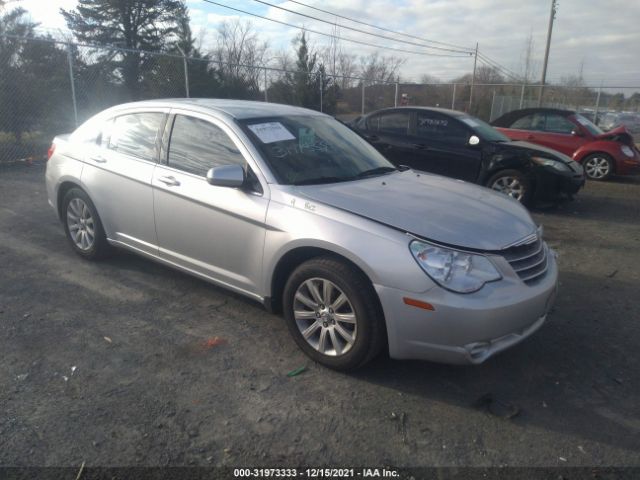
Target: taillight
52 149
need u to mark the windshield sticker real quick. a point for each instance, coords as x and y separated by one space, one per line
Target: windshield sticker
306 138
471 122
271 132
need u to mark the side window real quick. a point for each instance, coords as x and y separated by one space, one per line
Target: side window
396 123
136 134
197 145
438 127
558 124
523 123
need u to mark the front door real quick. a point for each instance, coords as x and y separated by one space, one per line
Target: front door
443 142
214 231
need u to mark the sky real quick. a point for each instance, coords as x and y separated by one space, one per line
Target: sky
600 38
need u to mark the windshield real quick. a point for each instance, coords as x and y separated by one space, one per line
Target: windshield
484 130
312 149
589 125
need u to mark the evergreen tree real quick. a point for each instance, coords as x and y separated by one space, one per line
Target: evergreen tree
141 25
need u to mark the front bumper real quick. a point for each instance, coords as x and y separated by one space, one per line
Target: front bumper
628 165
551 184
467 328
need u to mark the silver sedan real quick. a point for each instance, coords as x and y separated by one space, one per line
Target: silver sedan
291 208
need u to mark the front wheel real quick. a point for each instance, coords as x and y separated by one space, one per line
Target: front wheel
333 314
512 183
598 166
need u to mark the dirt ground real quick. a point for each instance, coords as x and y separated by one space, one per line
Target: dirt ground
116 363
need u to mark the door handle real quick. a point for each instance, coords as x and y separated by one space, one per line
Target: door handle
99 159
530 137
169 181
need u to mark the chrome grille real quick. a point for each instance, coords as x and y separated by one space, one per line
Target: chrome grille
529 261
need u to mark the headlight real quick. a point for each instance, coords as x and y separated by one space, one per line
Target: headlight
548 162
627 151
458 271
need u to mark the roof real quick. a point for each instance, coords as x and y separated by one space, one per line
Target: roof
508 118
239 109
445 111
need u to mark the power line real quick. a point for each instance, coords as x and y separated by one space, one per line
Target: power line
359 30
381 28
331 35
504 70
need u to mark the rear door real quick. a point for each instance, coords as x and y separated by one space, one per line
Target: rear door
214 231
442 142
388 132
117 174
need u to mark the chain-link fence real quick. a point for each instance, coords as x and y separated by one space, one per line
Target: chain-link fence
48 87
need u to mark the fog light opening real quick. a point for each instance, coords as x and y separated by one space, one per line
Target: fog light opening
478 350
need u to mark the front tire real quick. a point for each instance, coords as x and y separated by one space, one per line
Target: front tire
333 313
82 226
512 183
598 166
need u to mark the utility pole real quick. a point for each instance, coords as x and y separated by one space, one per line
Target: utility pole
473 78
552 16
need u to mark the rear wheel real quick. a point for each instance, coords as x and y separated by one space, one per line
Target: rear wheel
333 314
512 183
82 225
598 166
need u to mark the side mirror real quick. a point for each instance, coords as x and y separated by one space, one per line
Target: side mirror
232 176
577 133
473 140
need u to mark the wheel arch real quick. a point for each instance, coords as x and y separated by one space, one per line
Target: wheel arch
294 257
585 155
64 187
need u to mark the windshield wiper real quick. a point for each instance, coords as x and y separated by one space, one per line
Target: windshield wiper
320 180
375 171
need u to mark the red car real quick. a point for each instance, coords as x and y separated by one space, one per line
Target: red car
601 153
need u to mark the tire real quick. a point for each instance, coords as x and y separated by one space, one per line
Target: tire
598 166
359 317
83 227
512 183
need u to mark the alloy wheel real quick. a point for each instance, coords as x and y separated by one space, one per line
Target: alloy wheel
597 167
325 317
511 186
81 224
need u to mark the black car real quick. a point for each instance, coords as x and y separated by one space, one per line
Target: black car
458 145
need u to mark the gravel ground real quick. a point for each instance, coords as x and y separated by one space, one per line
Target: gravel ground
116 363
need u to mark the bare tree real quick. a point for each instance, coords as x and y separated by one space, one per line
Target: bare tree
238 48
529 64
379 69
425 78
338 63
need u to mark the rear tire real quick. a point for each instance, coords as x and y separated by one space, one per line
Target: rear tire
83 227
512 183
333 313
598 166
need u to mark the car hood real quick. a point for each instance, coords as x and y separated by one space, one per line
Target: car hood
620 132
436 208
533 149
